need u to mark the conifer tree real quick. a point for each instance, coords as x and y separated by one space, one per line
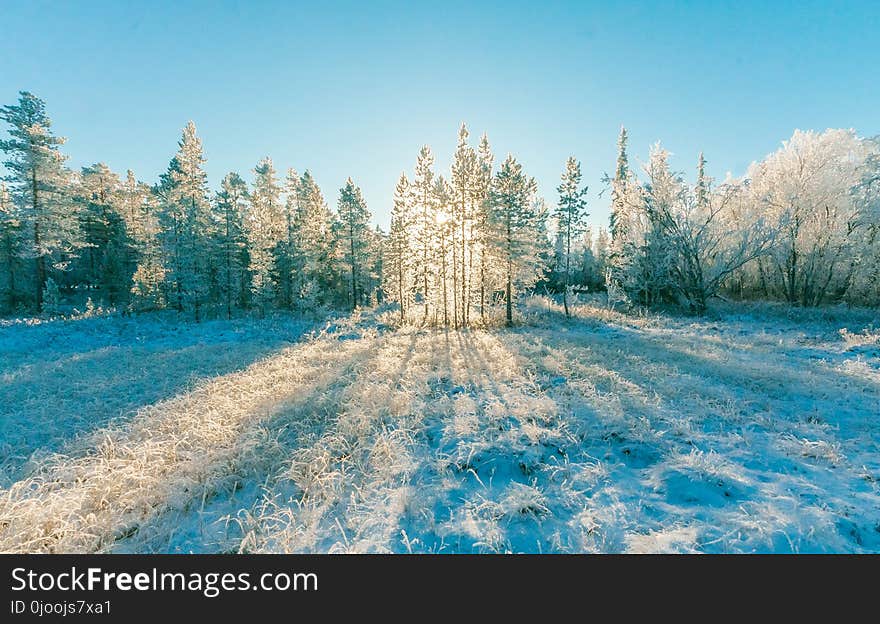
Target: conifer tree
40 187
10 250
424 198
398 279
570 214
464 168
480 199
355 235
232 204
515 228
265 229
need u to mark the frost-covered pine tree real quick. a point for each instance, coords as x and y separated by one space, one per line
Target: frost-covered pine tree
265 226
232 203
316 248
106 262
651 280
480 200
514 229
186 225
140 209
286 261
40 187
570 216
464 171
354 235
11 245
397 278
424 224
624 223
444 230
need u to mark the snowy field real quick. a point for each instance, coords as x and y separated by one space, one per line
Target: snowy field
755 430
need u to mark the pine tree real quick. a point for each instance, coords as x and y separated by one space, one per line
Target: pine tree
286 262
515 228
464 169
423 194
480 199
570 214
314 226
398 262
40 187
265 229
186 224
140 209
106 262
355 230
10 250
232 204
444 230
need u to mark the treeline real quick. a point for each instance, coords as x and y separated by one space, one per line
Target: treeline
70 236
803 226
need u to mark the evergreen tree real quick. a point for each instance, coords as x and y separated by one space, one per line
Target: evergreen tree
515 228
10 250
232 204
314 226
480 199
106 262
140 209
286 261
355 230
265 229
398 261
186 224
464 170
570 214
40 188
424 198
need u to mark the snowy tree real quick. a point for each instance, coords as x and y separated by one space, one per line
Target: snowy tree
464 172
805 189
625 226
355 236
708 244
424 224
314 225
186 224
286 261
140 209
398 262
650 280
40 188
265 227
11 245
480 198
514 229
570 215
106 262
444 230
232 244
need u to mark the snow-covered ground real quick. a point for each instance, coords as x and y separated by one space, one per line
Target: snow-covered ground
754 430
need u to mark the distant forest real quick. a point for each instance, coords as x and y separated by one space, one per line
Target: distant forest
802 226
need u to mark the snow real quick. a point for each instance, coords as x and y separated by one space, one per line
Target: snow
752 430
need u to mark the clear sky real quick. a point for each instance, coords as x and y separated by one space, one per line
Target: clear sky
355 88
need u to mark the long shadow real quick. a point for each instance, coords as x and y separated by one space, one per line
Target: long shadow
63 380
242 488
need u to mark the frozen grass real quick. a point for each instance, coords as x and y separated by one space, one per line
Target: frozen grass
64 378
753 430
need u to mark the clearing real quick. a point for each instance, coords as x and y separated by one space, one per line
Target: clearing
752 431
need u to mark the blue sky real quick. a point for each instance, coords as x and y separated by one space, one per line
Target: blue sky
355 88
